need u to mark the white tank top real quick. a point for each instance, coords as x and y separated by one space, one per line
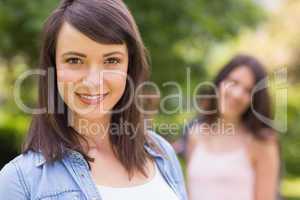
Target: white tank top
215 176
155 189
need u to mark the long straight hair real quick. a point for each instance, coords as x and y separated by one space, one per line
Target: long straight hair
104 21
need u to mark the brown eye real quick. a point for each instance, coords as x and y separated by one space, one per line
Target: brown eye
232 82
74 61
113 61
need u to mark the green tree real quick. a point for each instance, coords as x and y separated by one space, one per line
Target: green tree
164 25
20 25
190 25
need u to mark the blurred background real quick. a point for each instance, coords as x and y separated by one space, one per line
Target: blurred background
181 35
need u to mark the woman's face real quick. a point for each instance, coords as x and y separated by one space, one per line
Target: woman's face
91 76
235 92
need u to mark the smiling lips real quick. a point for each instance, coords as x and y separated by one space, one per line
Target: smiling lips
91 99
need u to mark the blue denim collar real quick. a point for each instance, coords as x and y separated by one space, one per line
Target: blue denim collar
77 156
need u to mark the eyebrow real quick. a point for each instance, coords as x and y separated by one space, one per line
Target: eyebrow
74 53
248 88
83 55
112 53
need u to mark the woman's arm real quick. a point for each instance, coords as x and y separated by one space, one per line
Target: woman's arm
267 169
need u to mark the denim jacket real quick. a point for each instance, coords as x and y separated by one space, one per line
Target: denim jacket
28 176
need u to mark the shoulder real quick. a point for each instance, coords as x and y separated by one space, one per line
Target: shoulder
161 142
268 138
19 177
20 160
9 171
165 149
172 163
13 175
168 151
27 160
22 164
266 148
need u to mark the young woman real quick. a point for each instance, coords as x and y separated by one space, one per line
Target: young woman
93 59
231 153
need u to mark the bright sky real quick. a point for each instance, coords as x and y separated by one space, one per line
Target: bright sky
271 5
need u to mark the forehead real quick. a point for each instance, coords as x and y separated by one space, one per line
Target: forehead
70 38
243 75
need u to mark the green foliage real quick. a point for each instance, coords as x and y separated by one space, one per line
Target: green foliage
163 24
290 140
196 24
20 27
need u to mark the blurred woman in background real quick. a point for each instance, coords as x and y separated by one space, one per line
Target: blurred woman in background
232 154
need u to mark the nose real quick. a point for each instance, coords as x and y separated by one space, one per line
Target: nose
237 92
94 77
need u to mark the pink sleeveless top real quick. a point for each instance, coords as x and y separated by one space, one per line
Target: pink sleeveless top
215 176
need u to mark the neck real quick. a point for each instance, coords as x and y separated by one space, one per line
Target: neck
233 120
233 123
96 132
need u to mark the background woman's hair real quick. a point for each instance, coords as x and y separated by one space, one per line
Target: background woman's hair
260 100
104 21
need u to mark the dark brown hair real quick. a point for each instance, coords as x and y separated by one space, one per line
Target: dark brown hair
104 21
260 99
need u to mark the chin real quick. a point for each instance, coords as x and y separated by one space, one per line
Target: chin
94 115
231 114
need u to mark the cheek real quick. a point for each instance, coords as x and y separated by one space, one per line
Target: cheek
65 90
67 75
247 101
116 82
66 81
223 95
